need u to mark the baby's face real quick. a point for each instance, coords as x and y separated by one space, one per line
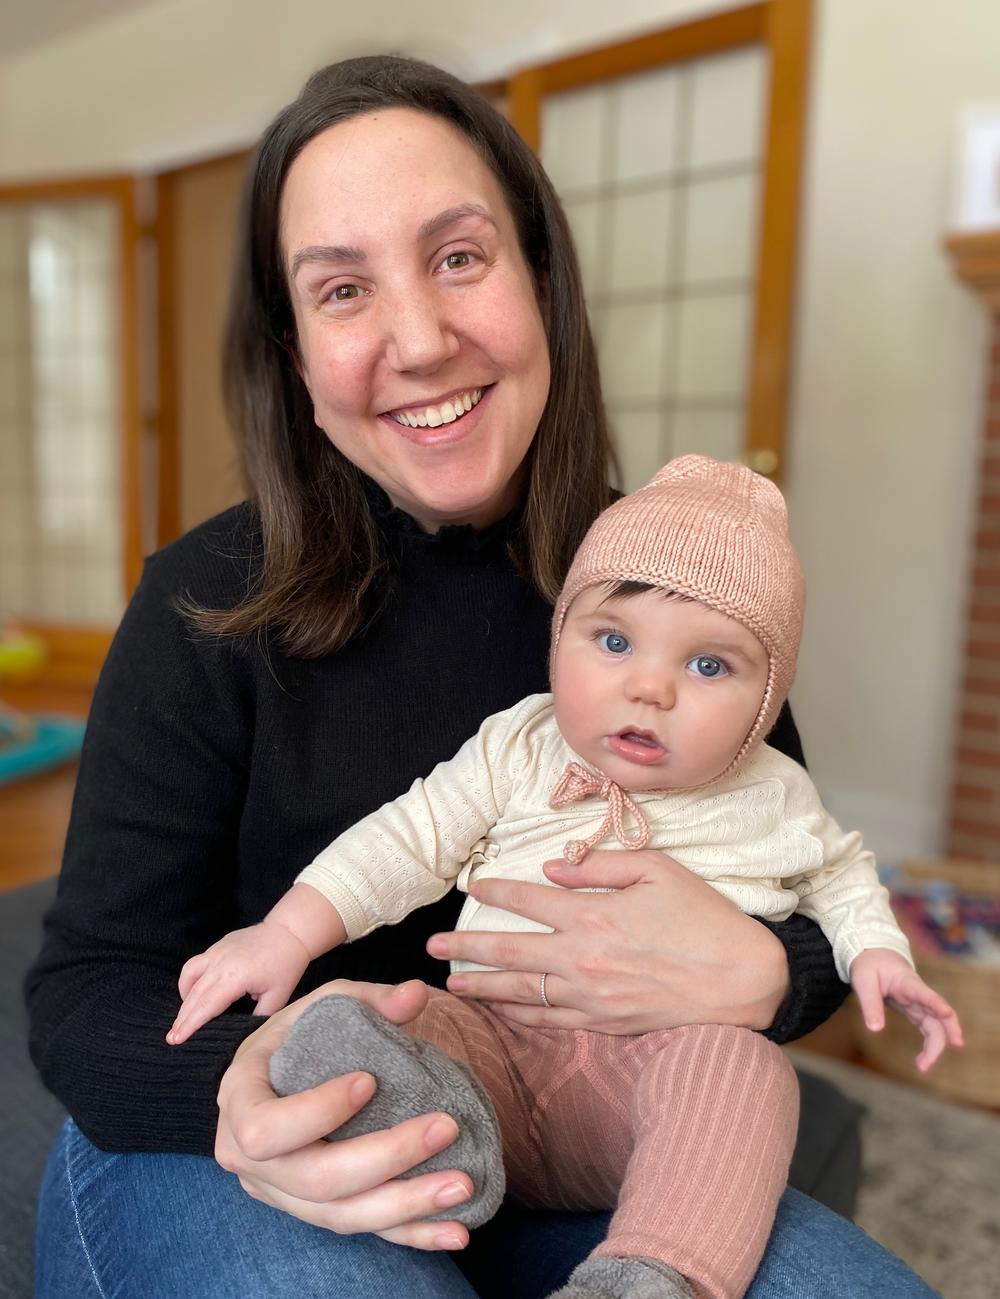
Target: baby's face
656 691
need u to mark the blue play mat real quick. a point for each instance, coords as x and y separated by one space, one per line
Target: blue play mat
55 740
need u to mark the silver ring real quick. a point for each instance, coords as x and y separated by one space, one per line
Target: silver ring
541 992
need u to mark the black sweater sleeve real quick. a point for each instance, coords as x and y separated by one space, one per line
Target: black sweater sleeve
151 841
816 988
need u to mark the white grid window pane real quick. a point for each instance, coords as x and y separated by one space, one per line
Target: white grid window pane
573 132
727 108
646 134
640 244
720 229
712 347
633 341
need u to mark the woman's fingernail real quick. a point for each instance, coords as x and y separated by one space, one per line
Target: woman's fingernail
458 983
453 1193
442 1132
362 1088
437 947
449 1240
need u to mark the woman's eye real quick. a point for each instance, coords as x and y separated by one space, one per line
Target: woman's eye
457 261
705 665
345 292
614 642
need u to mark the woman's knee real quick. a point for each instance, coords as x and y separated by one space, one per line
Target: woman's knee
814 1253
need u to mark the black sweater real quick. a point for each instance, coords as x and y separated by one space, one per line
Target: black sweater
213 770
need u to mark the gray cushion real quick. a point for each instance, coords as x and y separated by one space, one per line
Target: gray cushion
827 1159
32 1116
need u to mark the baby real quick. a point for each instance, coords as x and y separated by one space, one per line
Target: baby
673 649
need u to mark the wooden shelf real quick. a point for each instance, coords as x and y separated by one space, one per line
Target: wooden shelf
976 261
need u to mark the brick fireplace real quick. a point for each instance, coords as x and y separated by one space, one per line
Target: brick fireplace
974 824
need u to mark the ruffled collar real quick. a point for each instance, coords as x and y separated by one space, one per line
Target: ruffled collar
454 543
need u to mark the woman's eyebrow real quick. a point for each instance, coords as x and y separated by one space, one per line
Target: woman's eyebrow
326 253
450 216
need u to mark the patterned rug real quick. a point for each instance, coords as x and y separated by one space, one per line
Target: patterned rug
930 1187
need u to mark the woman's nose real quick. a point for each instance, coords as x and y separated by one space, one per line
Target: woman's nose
419 337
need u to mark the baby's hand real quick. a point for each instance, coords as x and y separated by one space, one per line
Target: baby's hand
265 960
879 975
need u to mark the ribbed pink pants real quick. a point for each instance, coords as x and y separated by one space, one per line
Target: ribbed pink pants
689 1131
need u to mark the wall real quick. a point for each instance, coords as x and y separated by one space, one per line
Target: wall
890 353
890 365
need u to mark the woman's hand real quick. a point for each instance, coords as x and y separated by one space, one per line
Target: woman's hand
275 1146
664 949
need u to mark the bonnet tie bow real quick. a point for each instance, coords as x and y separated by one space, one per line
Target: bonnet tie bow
577 783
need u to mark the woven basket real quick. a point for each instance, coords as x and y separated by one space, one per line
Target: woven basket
972 1074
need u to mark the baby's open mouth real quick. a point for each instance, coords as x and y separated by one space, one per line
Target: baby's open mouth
637 746
641 737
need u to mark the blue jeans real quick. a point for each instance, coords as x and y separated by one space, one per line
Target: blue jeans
178 1227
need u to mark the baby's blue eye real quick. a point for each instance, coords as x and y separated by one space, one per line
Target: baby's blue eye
707 666
614 642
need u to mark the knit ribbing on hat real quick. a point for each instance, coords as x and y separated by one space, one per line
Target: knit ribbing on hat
715 532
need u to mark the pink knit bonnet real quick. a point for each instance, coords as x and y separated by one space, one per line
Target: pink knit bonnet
717 533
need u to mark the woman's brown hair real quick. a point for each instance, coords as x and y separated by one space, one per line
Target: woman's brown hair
324 573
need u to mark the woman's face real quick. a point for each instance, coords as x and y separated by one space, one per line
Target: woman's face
419 333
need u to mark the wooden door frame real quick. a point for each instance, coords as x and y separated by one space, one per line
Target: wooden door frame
77 652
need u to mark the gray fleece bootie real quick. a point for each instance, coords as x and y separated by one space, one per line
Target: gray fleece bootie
624 1278
338 1035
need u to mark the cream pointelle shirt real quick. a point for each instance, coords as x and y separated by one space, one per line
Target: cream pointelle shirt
760 835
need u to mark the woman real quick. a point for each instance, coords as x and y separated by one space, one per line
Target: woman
410 372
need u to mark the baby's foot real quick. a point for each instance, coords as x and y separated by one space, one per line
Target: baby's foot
605 1277
338 1035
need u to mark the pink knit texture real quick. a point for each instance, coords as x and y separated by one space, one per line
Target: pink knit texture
718 533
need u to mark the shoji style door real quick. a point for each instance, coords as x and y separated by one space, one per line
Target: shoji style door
70 546
677 157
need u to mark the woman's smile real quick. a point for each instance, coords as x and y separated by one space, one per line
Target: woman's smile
442 423
436 411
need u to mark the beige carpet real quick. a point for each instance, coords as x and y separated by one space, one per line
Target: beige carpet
931 1180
